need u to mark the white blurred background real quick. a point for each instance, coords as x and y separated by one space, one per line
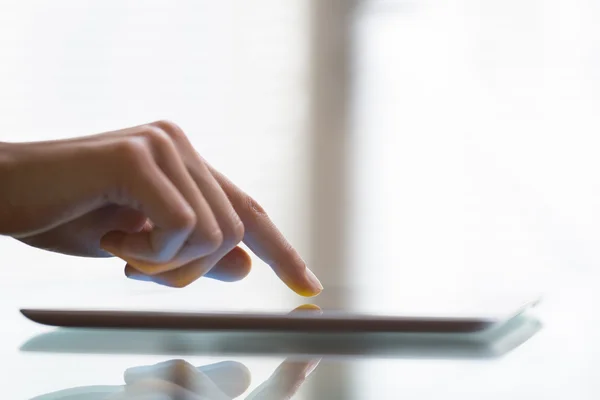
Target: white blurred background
475 126
434 148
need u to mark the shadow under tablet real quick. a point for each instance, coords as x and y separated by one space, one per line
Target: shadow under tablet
490 343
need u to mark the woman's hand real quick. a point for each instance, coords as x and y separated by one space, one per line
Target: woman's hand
145 195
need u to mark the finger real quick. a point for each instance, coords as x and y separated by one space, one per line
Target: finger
189 273
285 381
234 266
148 190
186 274
111 218
267 242
91 227
230 377
229 222
178 373
207 236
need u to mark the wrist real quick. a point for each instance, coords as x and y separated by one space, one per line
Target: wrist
6 165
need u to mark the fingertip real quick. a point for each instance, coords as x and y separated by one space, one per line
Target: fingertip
240 263
314 282
136 275
178 282
307 292
306 285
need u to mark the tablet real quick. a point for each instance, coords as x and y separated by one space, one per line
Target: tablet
490 343
307 318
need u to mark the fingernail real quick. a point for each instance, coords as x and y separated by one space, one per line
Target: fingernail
313 280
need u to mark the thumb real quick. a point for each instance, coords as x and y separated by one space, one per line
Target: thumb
118 218
81 236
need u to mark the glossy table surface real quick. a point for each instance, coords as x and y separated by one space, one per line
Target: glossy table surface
550 353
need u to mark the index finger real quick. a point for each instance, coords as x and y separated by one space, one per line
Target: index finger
267 242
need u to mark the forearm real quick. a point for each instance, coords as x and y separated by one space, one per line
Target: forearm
5 185
5 152
5 161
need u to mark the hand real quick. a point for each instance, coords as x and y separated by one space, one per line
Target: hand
179 380
145 195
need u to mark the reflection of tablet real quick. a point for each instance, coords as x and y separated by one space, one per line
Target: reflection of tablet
490 343
304 321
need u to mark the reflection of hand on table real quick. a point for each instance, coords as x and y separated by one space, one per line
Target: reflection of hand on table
179 380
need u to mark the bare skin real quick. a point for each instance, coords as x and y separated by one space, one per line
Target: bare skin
145 195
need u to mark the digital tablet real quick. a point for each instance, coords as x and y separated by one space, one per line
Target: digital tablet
308 318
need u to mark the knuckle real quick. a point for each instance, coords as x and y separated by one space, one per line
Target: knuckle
214 239
185 219
233 231
170 128
157 136
237 231
132 151
255 209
